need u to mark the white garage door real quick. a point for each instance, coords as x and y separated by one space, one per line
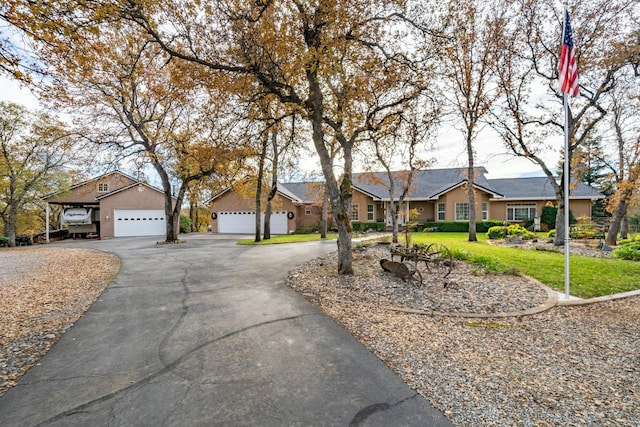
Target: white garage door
139 222
245 222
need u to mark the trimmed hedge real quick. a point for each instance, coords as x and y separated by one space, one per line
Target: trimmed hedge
457 226
368 226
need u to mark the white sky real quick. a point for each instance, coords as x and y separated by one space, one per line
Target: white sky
449 150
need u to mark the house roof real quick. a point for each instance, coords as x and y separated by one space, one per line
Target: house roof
304 192
427 184
539 188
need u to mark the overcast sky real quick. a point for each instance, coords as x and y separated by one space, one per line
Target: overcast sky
449 150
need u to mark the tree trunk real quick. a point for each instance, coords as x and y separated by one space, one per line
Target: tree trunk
560 230
339 195
616 219
393 212
624 228
10 226
192 215
471 193
274 185
263 155
325 214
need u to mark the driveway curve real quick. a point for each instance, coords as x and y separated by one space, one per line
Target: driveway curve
205 333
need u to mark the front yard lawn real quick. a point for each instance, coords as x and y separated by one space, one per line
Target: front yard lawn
590 277
288 238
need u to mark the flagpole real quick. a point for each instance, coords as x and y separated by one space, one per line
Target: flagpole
566 197
565 103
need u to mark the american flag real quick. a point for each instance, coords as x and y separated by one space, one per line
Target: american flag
568 66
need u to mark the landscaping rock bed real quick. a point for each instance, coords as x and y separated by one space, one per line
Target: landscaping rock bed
43 291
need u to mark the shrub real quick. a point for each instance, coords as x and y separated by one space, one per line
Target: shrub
460 254
455 226
512 230
548 216
368 226
496 232
309 229
629 250
185 224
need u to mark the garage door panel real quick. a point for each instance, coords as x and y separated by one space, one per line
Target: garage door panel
245 222
139 222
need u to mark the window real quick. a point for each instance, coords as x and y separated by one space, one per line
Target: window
369 212
462 211
307 211
485 211
354 213
520 211
103 187
441 212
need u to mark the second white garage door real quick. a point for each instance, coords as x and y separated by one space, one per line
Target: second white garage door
245 222
139 222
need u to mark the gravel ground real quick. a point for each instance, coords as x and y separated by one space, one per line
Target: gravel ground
43 291
568 366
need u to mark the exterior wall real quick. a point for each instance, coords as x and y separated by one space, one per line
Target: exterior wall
425 210
232 202
308 215
498 209
459 195
362 201
127 199
88 192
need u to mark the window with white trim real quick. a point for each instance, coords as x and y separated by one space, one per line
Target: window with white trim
441 212
103 187
462 211
370 212
485 211
521 211
307 211
354 213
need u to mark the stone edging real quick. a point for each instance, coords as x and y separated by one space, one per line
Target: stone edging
604 298
552 301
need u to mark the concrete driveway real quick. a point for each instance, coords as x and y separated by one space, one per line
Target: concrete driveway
205 333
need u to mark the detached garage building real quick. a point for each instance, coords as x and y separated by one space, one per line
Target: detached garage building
116 204
232 213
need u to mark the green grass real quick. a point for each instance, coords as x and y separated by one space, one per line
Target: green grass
590 277
288 238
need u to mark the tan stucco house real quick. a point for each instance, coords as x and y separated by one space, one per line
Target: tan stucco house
435 194
111 205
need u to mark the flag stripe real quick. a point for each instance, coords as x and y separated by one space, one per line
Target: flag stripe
568 64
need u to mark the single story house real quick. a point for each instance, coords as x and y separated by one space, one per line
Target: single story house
111 205
435 194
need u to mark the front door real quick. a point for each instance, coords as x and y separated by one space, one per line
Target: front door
402 213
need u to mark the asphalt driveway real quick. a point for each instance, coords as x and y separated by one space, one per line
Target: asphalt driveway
205 333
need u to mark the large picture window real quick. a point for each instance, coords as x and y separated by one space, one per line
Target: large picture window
462 211
520 211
